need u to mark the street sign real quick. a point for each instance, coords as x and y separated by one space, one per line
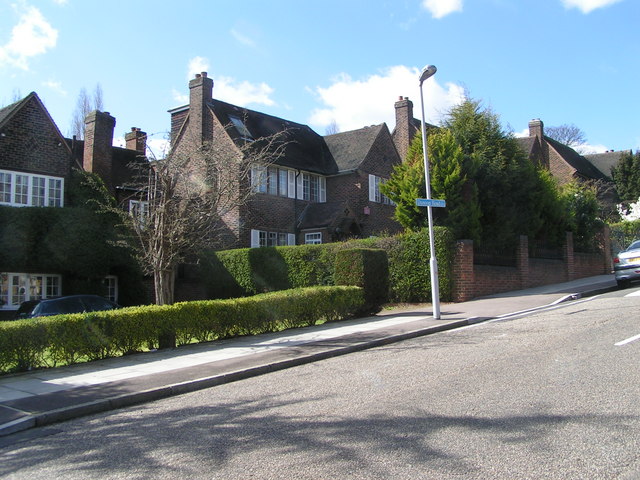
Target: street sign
430 202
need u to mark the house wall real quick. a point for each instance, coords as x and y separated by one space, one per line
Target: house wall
353 188
30 143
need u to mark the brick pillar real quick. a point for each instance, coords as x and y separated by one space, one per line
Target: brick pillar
567 254
606 249
463 273
522 261
200 96
136 140
98 142
405 130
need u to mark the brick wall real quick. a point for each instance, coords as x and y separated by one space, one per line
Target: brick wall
31 143
472 281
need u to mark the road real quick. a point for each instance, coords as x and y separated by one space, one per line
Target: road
551 395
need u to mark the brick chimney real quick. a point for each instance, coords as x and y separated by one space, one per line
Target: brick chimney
405 128
200 96
536 128
136 140
98 140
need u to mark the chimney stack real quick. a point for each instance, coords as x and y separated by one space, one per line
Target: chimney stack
136 140
536 128
405 128
98 140
200 96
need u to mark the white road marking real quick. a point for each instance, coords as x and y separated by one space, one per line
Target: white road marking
628 340
633 294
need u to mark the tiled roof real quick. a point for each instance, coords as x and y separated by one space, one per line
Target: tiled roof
577 161
606 161
349 149
305 150
9 110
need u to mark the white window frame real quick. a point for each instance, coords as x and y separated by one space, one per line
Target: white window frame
19 189
139 210
313 238
312 188
16 288
111 283
375 195
262 238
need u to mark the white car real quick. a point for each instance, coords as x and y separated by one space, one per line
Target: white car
626 265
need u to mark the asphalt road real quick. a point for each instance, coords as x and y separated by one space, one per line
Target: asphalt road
548 395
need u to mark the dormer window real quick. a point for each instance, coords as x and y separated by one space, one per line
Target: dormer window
241 128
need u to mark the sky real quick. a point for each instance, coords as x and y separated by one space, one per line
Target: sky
333 61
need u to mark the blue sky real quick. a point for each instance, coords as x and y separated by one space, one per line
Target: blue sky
563 61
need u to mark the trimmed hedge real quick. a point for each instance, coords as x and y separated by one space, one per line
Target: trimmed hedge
244 272
367 268
66 339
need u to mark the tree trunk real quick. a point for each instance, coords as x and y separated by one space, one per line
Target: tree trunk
164 281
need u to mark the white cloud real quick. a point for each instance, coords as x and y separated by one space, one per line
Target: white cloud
62 3
56 86
197 65
242 93
243 39
442 8
586 6
355 104
179 97
32 36
230 90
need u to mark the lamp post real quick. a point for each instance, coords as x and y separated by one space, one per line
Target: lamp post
427 72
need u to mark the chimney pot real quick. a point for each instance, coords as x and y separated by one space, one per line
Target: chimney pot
204 74
198 75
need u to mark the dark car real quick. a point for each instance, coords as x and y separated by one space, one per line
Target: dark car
69 304
626 265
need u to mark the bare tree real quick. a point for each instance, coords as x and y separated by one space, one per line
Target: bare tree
332 128
570 135
187 198
85 104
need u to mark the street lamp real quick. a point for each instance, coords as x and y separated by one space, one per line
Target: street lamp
427 72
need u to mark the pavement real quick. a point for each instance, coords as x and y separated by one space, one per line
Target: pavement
42 397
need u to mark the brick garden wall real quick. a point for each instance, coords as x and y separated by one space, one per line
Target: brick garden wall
471 281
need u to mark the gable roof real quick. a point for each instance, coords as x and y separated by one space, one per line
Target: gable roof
580 164
606 161
349 149
7 113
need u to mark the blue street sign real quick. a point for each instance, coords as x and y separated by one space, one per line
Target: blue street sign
430 202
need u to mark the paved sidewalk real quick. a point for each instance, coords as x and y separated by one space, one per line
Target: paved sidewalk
46 396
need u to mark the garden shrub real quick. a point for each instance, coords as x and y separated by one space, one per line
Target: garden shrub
66 339
366 268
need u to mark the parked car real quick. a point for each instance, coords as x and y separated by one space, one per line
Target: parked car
68 304
626 265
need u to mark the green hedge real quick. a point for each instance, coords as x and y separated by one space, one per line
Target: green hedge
244 272
66 339
367 268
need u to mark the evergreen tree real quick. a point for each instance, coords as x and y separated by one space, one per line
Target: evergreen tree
626 175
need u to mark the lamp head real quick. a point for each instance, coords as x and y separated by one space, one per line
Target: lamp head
427 72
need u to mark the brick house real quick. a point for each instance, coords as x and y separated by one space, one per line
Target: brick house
567 165
321 189
36 165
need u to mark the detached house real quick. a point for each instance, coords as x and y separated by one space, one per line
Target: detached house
36 165
567 165
321 189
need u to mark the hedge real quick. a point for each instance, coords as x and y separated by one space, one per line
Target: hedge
244 272
367 268
67 339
